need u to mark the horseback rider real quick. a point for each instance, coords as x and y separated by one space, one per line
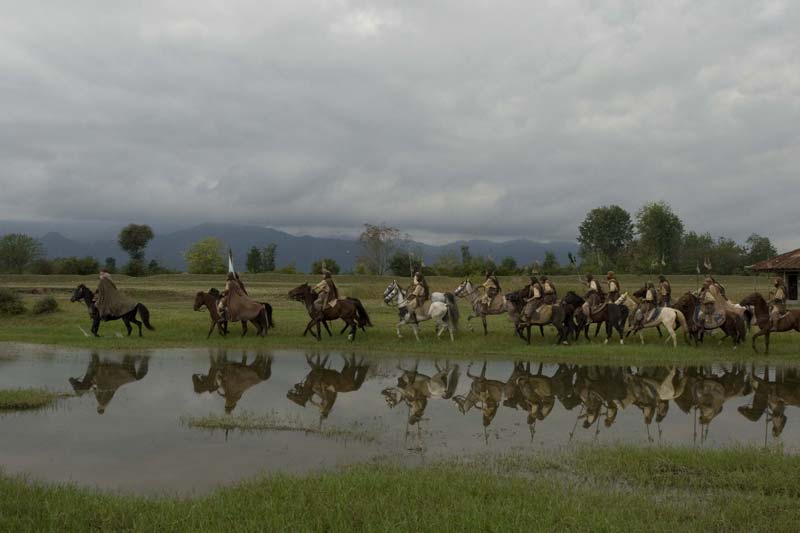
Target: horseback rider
533 299
778 303
550 293
108 300
592 284
707 299
491 288
650 299
327 293
664 292
614 288
418 293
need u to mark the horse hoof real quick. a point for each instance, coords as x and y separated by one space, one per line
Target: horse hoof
350 337
622 342
605 341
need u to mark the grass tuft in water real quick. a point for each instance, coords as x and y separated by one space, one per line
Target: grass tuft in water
270 421
26 399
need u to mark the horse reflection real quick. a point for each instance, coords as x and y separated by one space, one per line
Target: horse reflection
486 394
415 388
772 397
326 384
106 377
230 379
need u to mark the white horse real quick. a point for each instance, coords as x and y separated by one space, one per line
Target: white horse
442 309
667 316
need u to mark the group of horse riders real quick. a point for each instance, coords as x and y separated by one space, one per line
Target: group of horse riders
654 295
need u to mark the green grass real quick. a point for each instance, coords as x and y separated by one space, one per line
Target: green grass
270 421
25 399
598 489
170 299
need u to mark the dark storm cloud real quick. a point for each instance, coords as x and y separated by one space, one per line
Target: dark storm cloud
488 119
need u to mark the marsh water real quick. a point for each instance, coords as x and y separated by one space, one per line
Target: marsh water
126 424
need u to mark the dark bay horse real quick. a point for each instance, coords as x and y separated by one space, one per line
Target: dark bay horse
82 292
599 312
348 309
210 299
790 321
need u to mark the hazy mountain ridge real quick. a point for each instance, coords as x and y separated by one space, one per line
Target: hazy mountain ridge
168 248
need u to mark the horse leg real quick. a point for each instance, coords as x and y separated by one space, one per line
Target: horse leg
244 328
353 329
485 329
138 324
658 328
415 328
597 329
756 335
210 331
96 326
528 334
766 343
328 329
541 330
127 322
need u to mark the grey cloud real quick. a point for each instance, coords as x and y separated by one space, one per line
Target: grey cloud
501 119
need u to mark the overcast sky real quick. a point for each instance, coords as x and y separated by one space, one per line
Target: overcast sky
487 119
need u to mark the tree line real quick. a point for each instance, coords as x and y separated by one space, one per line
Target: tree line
656 240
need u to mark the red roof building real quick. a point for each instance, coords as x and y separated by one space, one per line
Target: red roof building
786 265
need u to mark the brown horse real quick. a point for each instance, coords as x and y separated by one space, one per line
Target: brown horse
596 310
231 379
326 384
788 322
348 309
210 299
734 325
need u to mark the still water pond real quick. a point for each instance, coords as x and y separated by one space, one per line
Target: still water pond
128 425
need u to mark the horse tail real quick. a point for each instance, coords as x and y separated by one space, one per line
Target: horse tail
268 310
682 322
145 314
452 309
361 313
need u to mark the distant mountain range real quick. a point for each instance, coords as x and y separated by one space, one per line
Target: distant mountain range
168 248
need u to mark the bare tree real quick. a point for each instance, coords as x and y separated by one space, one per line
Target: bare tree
378 244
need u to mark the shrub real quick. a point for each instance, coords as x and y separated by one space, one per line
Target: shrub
46 304
10 303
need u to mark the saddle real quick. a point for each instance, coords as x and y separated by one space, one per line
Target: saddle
590 311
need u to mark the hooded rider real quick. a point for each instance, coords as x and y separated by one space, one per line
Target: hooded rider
327 293
491 288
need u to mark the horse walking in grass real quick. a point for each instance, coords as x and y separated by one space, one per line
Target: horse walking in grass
210 299
789 321
668 317
443 313
348 309
82 292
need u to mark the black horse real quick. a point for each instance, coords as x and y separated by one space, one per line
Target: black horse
572 302
84 293
614 316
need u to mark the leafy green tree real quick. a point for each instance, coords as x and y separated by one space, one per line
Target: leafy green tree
759 249
507 267
660 232
550 264
17 251
448 264
134 238
330 264
41 266
255 260
604 234
206 256
111 265
268 257
80 266
695 248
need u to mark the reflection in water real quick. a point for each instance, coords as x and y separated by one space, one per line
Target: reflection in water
415 388
326 384
603 391
105 377
230 379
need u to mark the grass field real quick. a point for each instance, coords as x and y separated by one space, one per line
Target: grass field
598 489
170 298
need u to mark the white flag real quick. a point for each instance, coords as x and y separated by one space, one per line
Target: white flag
230 262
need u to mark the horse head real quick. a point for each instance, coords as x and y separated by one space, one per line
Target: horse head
81 292
622 299
300 292
199 300
392 290
465 287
